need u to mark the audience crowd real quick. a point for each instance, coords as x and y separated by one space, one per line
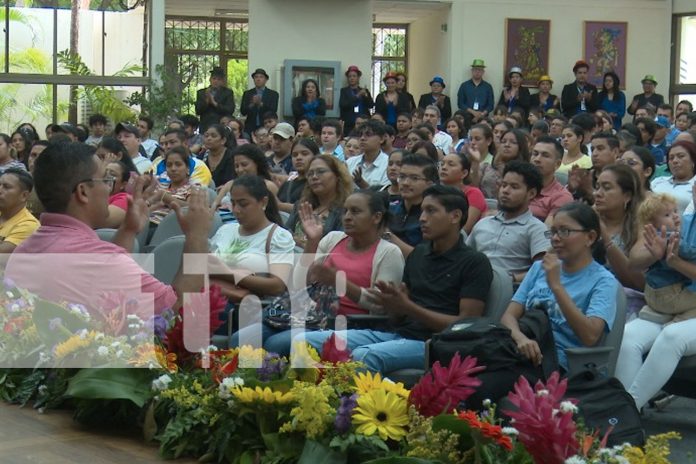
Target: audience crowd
414 206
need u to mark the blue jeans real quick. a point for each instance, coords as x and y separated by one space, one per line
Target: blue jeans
381 352
273 340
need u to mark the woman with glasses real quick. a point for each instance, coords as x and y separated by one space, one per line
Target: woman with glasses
454 171
513 146
642 162
177 162
328 186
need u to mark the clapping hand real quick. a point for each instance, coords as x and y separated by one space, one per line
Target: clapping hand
358 178
197 221
137 211
393 298
672 252
655 242
311 223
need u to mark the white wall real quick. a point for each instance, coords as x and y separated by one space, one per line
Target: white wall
684 6
429 52
477 30
333 30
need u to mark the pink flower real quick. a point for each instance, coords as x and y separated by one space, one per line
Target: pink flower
546 430
442 389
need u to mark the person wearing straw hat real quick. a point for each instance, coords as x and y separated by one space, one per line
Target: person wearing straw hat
391 102
544 100
214 101
258 101
648 95
354 100
475 96
514 95
438 98
579 96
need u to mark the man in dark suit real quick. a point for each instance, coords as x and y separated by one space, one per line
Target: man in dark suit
215 101
354 100
258 101
579 96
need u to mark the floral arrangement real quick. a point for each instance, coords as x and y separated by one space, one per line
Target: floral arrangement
247 405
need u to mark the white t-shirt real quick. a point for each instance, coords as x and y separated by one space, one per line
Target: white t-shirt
443 141
142 164
249 251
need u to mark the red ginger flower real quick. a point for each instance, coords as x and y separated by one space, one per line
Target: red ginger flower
487 430
546 431
331 353
441 390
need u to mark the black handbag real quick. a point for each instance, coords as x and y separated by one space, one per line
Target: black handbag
310 307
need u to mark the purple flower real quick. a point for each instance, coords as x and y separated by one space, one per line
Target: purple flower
54 323
9 283
271 367
159 325
344 413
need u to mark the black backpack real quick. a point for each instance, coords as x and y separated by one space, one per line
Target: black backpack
481 337
604 402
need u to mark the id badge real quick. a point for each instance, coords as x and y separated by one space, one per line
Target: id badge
356 109
476 106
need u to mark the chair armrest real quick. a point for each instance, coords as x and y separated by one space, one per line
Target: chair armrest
367 321
579 359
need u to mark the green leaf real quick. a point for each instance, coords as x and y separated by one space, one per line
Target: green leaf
318 453
401 460
455 425
44 312
112 384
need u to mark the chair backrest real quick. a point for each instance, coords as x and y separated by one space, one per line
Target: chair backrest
499 295
615 335
562 178
108 235
492 203
168 256
169 227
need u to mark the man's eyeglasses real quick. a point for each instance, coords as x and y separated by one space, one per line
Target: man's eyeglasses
410 178
562 232
108 181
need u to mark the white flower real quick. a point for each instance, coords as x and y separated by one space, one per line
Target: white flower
43 357
102 351
486 403
575 460
99 336
542 392
115 344
83 334
567 406
119 353
133 317
511 431
43 388
212 348
228 384
161 383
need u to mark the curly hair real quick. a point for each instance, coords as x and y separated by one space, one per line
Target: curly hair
654 205
344 182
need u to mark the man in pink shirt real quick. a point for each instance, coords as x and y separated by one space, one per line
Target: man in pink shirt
547 155
64 260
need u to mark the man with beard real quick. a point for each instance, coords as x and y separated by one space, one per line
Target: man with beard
513 239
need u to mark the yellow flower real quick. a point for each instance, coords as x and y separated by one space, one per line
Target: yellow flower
73 344
265 395
381 412
304 355
313 413
250 356
366 382
656 450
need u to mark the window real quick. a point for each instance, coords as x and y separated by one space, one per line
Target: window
42 82
684 58
389 52
195 45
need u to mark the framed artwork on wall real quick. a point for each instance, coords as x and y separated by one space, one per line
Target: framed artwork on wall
527 46
326 73
605 49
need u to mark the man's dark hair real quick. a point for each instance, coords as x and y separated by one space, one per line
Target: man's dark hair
59 169
553 141
377 127
180 134
585 120
530 173
25 180
666 106
611 139
404 114
427 127
429 167
450 198
190 120
335 123
650 108
542 126
270 115
390 130
147 120
97 119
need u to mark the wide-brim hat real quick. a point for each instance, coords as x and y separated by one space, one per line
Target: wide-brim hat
259 71
545 78
355 69
580 64
649 78
438 80
478 63
390 75
217 71
515 70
